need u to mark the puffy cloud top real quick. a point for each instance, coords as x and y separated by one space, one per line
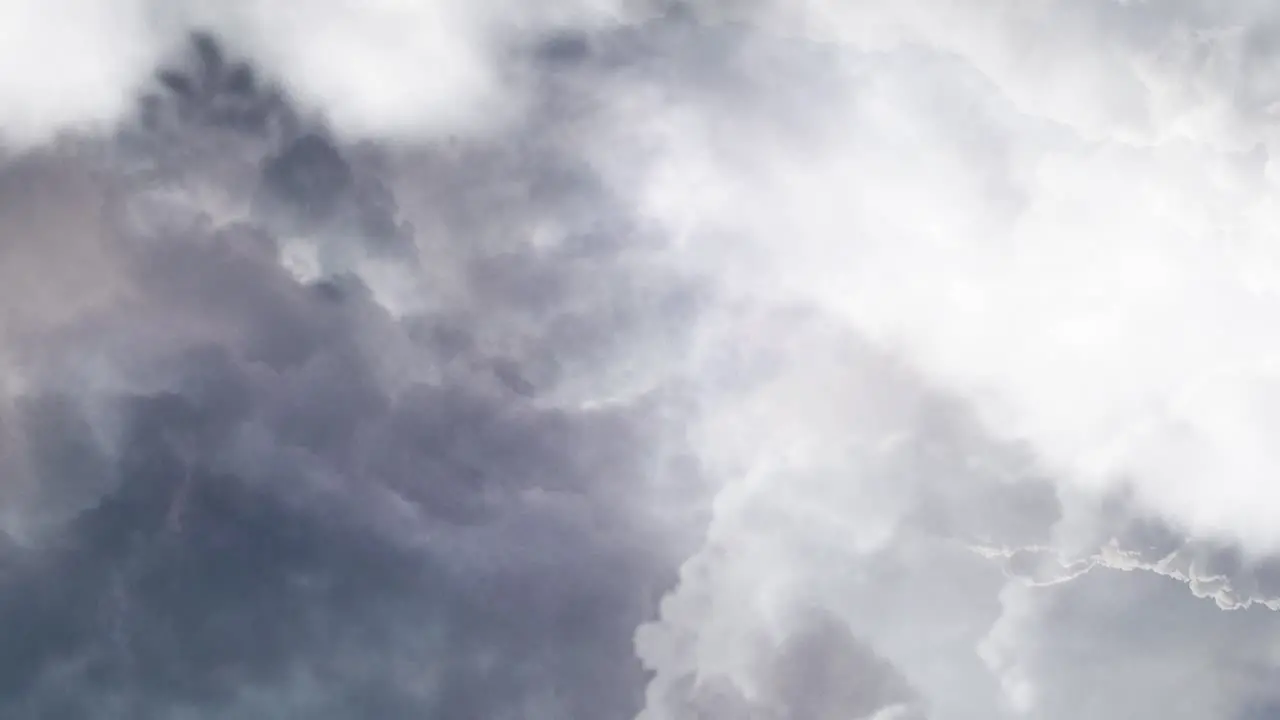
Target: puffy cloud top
598 359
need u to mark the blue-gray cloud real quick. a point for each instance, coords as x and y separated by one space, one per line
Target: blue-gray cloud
609 360
258 494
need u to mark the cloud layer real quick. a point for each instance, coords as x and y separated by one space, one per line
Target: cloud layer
621 360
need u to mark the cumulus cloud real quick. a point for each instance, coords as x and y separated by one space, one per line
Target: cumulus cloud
1102 295
1064 231
240 486
636 360
386 67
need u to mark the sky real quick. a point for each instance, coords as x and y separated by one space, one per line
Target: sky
639 360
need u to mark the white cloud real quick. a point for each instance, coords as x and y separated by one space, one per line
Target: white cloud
1123 645
1060 213
380 68
975 268
1099 287
68 64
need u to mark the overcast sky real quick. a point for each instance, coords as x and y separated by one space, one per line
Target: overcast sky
627 360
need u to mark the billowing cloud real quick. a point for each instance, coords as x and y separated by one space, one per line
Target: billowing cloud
247 484
386 67
637 360
1053 216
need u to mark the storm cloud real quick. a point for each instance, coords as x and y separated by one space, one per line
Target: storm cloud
638 360
241 484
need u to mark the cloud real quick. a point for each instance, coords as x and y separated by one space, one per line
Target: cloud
1119 644
375 69
817 669
243 489
734 360
1096 286
1062 232
70 64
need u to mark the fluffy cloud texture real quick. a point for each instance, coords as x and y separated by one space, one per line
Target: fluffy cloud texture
656 361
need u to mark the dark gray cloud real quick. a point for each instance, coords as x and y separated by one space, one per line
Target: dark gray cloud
261 495
742 361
